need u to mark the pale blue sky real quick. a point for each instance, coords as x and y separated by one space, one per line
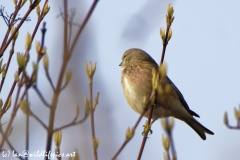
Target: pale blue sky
203 60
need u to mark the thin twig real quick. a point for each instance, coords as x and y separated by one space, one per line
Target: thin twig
6 42
10 145
83 25
71 17
169 132
19 71
15 108
43 30
49 79
66 57
36 117
135 126
165 44
65 36
64 86
92 116
2 111
17 8
232 127
14 150
27 125
74 122
145 136
8 64
41 96
15 82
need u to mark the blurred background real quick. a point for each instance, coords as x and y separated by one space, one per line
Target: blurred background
203 61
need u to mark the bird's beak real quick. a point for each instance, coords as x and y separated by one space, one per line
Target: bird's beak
120 64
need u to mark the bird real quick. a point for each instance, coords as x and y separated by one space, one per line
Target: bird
136 79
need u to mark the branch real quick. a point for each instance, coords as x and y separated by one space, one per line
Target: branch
40 96
145 134
83 25
19 71
74 122
66 56
40 121
8 64
6 42
135 126
15 82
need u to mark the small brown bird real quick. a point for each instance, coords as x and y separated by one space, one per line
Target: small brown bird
137 68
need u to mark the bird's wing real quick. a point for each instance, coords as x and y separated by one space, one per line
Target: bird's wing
181 98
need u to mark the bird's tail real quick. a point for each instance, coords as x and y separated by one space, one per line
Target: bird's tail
199 128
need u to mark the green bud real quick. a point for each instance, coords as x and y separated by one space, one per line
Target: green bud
86 67
168 20
237 114
43 51
155 78
3 67
68 76
169 34
87 107
225 119
3 73
28 42
23 2
35 67
166 142
171 20
15 2
91 69
45 62
170 10
163 70
38 46
9 104
95 103
165 156
25 79
167 125
95 143
24 106
16 77
129 133
57 136
77 111
21 61
162 33
38 10
46 9
16 34
94 68
35 71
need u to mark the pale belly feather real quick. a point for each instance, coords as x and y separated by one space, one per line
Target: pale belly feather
135 100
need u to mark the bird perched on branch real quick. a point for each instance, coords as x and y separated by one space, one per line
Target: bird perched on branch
137 74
